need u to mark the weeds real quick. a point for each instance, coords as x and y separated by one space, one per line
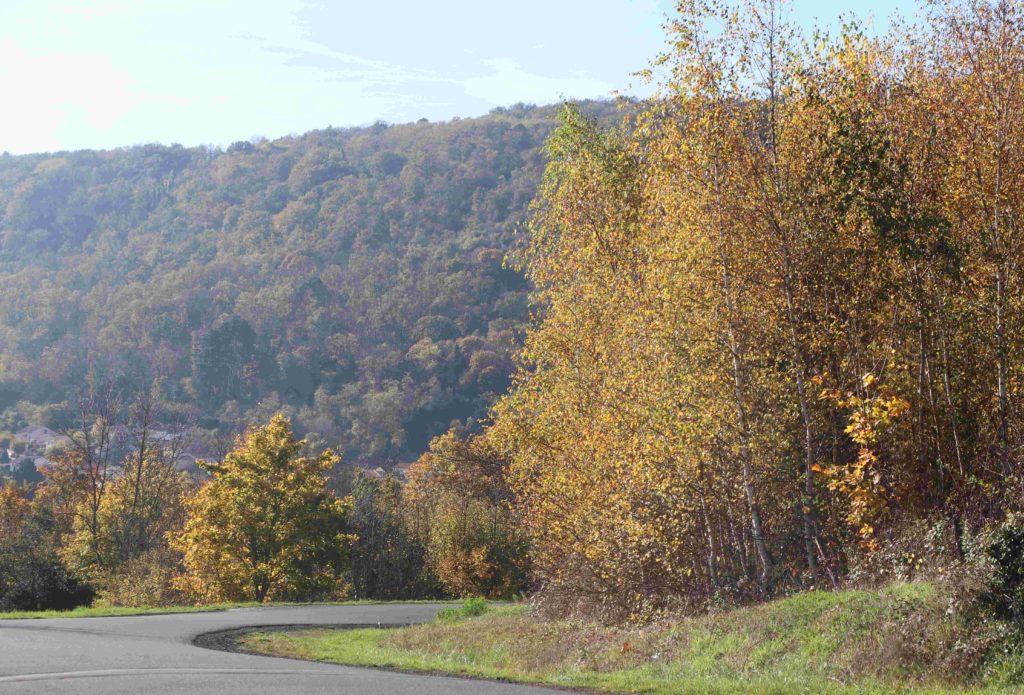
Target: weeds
471 608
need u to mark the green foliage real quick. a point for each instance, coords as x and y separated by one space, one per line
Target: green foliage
32 575
25 472
471 608
1005 592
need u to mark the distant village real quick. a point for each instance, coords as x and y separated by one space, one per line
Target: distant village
26 454
399 471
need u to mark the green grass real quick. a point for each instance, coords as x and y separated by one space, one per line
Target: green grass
113 611
470 608
108 611
893 640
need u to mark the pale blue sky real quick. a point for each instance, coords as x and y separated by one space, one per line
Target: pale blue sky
107 73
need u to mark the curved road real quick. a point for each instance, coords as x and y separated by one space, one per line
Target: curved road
155 654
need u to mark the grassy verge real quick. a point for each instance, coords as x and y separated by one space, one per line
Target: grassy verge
894 640
112 611
108 611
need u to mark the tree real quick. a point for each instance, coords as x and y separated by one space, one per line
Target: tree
26 472
219 357
84 469
457 505
265 526
313 263
388 561
32 576
777 314
977 108
110 515
136 513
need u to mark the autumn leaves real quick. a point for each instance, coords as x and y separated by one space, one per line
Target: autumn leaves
780 310
265 526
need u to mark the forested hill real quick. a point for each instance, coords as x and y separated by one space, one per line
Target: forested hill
352 278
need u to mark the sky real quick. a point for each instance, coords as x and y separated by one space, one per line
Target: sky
100 74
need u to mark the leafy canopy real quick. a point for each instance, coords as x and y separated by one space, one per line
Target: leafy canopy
266 527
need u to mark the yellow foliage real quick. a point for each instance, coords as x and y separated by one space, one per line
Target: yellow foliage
131 520
458 505
265 526
799 265
14 510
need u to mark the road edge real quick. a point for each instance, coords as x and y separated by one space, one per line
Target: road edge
230 640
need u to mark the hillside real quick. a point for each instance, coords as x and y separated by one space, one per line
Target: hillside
352 278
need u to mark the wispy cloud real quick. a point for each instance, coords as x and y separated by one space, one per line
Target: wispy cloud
94 73
505 76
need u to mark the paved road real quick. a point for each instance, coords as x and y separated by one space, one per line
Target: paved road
155 654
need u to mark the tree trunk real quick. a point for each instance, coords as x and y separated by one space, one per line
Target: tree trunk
807 506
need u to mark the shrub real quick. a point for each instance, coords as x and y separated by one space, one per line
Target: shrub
1005 592
32 577
458 501
147 580
471 607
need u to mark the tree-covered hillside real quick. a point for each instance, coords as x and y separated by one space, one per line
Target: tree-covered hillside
352 278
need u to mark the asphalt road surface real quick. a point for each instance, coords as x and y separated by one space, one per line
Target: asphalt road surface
155 654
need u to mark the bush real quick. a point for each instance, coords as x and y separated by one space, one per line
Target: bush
913 550
458 500
146 580
1005 592
32 576
470 608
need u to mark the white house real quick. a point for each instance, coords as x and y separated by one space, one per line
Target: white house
39 437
